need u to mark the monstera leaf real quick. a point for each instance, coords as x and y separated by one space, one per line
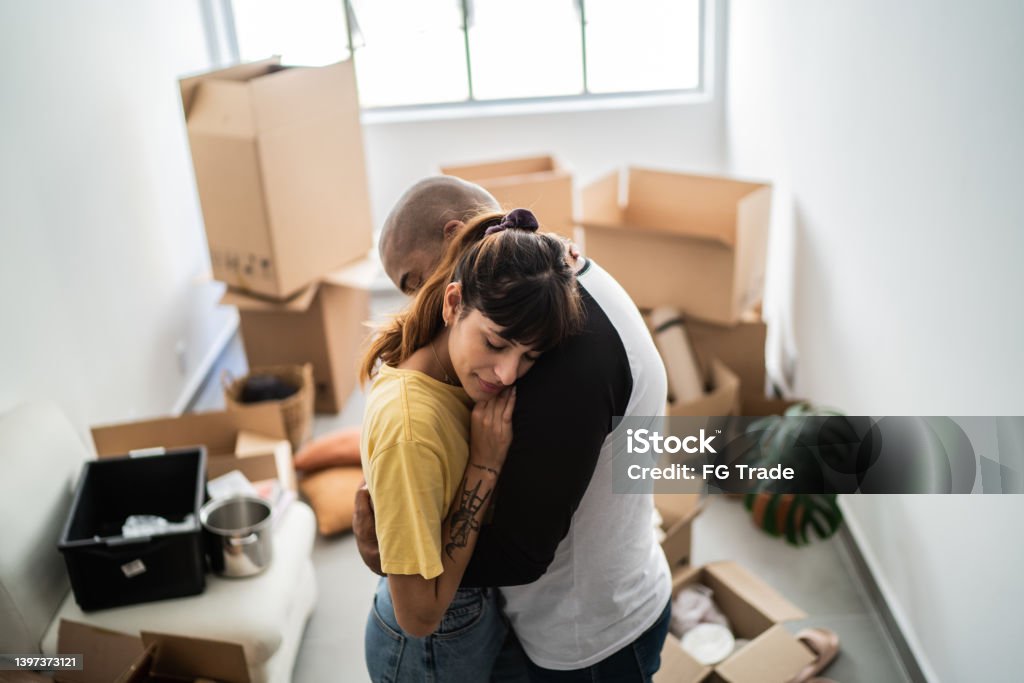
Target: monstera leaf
797 517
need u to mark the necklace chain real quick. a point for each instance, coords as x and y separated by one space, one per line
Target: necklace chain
447 379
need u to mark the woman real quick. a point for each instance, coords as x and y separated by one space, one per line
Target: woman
436 431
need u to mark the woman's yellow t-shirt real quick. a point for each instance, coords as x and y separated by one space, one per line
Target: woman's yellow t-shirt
415 445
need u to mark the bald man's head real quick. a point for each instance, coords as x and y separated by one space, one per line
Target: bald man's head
412 239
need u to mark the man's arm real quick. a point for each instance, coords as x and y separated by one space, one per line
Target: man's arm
564 412
365 530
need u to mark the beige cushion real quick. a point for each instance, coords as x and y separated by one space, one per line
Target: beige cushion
332 493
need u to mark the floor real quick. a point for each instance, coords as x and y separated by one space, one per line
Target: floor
817 578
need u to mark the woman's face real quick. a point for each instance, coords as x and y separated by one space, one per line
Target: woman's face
484 361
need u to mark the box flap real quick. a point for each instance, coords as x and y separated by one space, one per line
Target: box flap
252 445
500 169
600 201
190 658
723 399
775 656
677 666
296 94
247 302
357 275
677 507
222 108
107 654
686 203
755 592
239 72
216 430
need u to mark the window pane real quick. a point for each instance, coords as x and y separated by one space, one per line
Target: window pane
525 48
642 45
307 32
409 52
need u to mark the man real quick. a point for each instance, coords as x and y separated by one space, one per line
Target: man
585 582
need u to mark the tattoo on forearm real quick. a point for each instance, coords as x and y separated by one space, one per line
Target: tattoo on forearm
464 521
484 468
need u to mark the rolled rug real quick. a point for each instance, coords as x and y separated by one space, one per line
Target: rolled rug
685 382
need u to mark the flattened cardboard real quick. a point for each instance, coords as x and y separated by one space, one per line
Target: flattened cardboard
183 658
279 166
538 183
106 654
722 397
705 257
267 454
325 326
217 430
755 611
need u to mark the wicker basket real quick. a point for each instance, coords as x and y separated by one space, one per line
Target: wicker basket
296 410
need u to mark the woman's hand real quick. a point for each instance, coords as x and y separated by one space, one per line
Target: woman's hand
490 430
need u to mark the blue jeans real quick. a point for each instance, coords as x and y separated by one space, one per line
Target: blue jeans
463 648
635 663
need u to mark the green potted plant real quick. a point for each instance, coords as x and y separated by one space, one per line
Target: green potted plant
797 517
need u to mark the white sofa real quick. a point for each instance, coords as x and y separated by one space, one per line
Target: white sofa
40 458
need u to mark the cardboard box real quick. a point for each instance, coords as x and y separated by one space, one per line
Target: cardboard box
678 510
740 347
149 658
278 158
697 243
723 397
756 612
219 431
540 184
325 326
760 406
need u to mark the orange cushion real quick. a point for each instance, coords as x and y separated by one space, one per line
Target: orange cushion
340 448
332 495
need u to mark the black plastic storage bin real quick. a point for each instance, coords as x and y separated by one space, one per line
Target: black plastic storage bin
108 569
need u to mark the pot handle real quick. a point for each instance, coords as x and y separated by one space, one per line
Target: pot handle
245 540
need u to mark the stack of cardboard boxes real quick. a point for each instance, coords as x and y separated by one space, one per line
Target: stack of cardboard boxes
279 165
541 184
696 245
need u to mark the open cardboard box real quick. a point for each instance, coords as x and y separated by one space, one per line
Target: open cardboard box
755 611
263 452
740 347
323 325
722 398
151 658
540 184
279 165
678 510
697 243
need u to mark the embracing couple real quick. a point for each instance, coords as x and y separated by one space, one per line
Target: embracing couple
487 454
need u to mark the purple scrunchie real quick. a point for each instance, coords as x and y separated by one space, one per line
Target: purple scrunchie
521 219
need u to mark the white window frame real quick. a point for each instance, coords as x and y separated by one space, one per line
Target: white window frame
218 18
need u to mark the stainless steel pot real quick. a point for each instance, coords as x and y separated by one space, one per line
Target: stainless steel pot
238 535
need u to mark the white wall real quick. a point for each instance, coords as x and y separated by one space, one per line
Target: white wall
591 142
101 238
893 132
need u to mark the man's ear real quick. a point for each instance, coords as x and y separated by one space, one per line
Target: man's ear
452 227
452 302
